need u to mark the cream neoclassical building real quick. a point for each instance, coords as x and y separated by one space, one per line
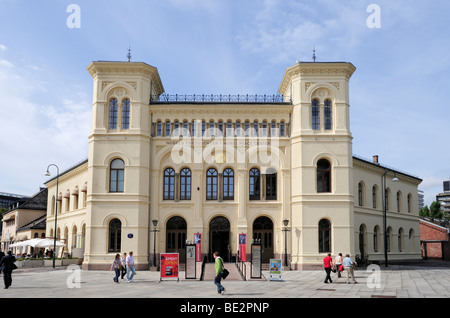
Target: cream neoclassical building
228 165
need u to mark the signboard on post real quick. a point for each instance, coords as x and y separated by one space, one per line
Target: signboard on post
275 269
190 272
169 265
256 261
198 244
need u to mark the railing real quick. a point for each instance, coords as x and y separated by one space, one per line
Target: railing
241 266
221 98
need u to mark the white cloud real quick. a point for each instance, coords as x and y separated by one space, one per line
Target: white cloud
40 125
3 48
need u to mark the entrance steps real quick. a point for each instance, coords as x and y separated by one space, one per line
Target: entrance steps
210 272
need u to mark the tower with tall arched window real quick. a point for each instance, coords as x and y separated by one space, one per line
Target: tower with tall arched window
119 160
321 162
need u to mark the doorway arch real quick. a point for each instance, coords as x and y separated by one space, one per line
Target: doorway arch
176 232
263 231
219 238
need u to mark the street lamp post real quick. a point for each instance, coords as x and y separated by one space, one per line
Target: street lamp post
384 198
56 207
155 224
285 230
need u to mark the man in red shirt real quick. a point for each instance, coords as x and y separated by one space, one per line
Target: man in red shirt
327 264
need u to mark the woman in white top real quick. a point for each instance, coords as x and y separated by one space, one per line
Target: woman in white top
338 264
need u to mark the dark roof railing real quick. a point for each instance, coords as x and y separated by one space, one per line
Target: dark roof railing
219 98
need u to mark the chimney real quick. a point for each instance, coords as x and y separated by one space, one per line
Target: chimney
375 159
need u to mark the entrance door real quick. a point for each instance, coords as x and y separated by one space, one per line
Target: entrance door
176 230
263 231
219 238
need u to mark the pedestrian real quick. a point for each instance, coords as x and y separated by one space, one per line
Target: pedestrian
348 267
116 266
7 266
1 256
124 266
130 267
219 273
338 264
327 264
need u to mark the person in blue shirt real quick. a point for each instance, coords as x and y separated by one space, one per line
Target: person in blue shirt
348 262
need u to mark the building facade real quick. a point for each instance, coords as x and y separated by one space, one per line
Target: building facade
279 169
24 220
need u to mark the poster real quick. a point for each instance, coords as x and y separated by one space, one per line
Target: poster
243 247
198 244
275 269
190 261
256 261
169 265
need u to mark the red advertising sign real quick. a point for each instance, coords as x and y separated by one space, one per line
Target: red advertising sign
198 246
169 265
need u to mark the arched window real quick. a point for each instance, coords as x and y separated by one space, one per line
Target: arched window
399 201
255 129
254 182
374 197
185 184
273 128
323 176
169 184
113 114
400 240
409 202
126 114
211 184
168 129
116 180
264 129
328 114
115 233
282 129
228 184
159 128
376 233
315 114
360 194
271 186
324 236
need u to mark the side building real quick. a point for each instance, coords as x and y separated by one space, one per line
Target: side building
276 169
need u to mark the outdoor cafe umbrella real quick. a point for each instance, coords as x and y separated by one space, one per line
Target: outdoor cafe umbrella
38 243
31 242
48 243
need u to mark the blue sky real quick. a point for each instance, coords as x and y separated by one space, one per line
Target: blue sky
398 92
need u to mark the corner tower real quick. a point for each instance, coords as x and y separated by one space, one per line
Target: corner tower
321 163
117 204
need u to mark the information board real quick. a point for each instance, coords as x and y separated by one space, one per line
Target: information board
190 261
256 261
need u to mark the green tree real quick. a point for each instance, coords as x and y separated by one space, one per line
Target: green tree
424 211
435 210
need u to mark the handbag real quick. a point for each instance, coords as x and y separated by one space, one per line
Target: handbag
225 273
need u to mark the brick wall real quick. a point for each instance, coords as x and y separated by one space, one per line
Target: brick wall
430 232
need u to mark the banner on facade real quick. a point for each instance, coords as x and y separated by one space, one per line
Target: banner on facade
169 265
275 269
243 247
198 245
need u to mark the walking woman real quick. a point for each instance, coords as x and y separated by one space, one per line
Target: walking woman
116 265
124 266
338 264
